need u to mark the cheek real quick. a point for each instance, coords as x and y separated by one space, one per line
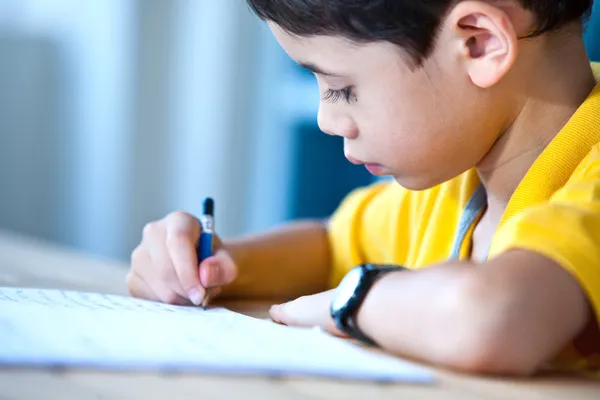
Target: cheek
426 145
424 127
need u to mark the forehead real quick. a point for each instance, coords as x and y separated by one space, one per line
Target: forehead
294 44
335 53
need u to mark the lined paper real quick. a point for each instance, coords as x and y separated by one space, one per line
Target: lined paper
67 329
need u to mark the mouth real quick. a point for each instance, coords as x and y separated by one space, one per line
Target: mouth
373 168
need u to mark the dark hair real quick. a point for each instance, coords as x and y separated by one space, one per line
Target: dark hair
410 24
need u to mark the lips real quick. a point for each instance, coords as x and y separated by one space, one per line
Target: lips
374 169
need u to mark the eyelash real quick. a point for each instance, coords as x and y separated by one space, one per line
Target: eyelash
334 96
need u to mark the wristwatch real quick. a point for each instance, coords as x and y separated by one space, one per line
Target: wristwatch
350 295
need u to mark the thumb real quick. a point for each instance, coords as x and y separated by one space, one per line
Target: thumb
218 270
307 311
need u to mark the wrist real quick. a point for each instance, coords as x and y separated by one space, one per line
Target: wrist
351 294
372 308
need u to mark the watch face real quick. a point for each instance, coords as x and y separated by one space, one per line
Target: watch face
346 289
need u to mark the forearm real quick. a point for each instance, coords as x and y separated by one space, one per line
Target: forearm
507 316
287 262
410 312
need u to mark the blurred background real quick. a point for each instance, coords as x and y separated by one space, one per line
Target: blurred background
115 112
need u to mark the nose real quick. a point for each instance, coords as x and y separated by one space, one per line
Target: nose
336 124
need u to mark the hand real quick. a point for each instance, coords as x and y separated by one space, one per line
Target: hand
164 266
307 311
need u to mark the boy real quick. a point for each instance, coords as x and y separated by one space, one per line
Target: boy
487 114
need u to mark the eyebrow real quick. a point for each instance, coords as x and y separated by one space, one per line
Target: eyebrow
317 70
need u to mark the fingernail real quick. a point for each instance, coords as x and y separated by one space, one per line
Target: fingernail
195 297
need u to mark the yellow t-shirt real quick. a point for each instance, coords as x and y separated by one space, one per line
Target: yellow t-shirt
554 211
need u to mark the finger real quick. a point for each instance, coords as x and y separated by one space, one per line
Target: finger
307 311
182 234
159 270
139 288
153 279
218 270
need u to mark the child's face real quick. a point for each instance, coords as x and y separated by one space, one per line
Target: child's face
422 126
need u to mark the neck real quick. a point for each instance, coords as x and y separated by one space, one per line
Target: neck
551 95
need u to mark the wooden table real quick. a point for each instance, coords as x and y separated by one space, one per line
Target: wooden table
31 263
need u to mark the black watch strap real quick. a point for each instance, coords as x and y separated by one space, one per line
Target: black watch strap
346 319
352 329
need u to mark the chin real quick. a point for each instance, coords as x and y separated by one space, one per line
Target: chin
416 183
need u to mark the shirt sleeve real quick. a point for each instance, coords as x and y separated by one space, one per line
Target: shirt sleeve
344 231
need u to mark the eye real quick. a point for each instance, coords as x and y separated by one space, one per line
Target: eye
334 96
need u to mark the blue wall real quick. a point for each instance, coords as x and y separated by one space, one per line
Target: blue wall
592 34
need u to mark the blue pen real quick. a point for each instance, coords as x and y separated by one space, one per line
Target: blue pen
204 248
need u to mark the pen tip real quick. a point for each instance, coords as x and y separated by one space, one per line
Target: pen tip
208 206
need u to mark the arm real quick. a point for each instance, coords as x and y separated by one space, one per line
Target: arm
516 311
285 263
509 315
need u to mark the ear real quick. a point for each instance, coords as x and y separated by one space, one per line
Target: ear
487 41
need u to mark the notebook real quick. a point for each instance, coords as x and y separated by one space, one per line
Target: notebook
68 329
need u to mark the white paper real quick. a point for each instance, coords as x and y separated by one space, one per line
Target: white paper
75 329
